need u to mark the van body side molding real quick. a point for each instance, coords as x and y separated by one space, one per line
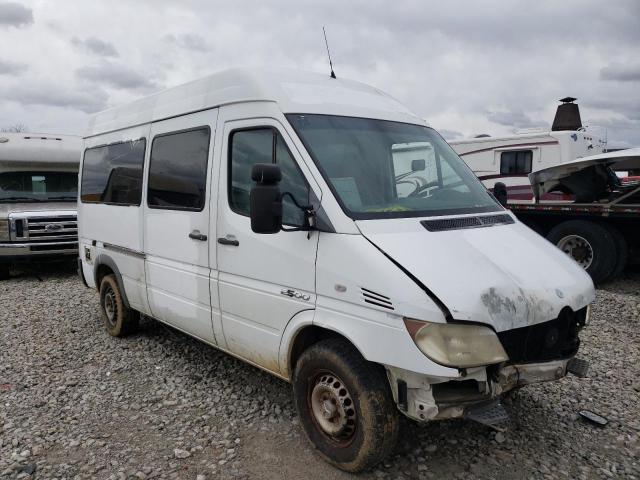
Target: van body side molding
125 250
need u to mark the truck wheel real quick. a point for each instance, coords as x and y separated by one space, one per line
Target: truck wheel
345 405
118 319
589 244
5 272
622 251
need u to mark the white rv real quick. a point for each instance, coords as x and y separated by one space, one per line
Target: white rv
260 212
38 195
510 159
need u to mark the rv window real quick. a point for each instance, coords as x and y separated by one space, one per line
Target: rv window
516 162
264 145
113 173
178 170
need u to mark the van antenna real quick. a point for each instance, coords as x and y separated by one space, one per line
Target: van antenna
333 75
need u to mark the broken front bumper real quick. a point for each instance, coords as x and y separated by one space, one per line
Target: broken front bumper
422 400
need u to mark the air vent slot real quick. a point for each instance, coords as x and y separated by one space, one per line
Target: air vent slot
377 299
443 224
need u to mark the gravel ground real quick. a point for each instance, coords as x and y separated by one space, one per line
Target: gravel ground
75 403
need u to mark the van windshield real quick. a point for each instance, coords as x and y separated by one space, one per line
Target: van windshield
38 187
384 169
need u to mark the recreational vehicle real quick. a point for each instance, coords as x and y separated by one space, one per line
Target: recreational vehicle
38 195
510 159
264 212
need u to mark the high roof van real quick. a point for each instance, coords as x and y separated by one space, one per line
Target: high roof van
264 212
38 195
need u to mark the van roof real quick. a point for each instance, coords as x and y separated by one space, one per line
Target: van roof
40 148
294 92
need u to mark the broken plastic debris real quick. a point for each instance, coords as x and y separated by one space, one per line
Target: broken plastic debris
593 417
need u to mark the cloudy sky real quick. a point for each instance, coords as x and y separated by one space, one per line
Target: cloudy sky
467 67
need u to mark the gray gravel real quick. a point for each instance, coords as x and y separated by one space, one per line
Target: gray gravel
75 403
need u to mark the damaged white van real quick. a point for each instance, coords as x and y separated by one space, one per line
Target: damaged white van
316 228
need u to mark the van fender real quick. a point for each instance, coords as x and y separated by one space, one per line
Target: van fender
104 259
299 321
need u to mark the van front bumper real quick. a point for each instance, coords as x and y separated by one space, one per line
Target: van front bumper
12 252
422 399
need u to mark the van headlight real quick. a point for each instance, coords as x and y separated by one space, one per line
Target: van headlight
4 230
456 344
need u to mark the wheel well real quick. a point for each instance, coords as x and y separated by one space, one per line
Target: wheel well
306 338
102 271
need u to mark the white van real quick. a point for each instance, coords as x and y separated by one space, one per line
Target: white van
38 194
257 211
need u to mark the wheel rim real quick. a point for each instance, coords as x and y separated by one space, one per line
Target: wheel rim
578 248
110 306
332 408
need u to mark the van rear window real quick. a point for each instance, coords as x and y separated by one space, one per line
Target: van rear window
112 174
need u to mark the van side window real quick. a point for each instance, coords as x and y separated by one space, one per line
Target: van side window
516 162
112 174
264 145
178 170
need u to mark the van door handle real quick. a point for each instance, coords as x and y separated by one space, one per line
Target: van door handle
228 241
196 235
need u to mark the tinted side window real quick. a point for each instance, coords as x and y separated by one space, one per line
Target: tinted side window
264 145
178 170
113 173
518 162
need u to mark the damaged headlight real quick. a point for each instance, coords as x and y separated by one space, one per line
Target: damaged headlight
4 230
456 344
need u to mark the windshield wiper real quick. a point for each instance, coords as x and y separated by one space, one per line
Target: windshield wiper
19 199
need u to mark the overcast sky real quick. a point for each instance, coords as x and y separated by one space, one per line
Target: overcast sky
466 67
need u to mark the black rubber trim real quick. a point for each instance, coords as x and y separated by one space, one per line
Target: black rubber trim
104 259
431 295
376 299
403 404
373 294
378 304
124 250
81 273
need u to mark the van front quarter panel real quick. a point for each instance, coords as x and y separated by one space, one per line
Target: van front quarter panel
364 296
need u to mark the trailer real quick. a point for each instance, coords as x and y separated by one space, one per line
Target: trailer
594 217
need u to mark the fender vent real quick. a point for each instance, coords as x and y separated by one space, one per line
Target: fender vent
376 299
466 222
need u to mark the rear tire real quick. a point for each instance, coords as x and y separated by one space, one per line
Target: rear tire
591 245
345 405
622 251
5 272
118 319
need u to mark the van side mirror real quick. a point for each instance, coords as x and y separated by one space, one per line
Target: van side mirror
500 192
418 165
265 201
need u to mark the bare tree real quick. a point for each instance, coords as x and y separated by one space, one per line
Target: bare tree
16 128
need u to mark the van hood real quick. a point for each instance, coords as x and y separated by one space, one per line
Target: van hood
506 275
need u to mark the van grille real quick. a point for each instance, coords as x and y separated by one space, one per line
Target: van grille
552 340
460 223
46 229
376 299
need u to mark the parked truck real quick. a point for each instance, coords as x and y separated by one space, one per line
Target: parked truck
38 196
586 210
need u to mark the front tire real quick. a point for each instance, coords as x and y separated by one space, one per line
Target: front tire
345 405
118 319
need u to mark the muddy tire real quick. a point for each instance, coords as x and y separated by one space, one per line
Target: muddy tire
591 245
345 405
118 319
5 272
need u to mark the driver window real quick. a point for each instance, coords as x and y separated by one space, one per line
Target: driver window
264 145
